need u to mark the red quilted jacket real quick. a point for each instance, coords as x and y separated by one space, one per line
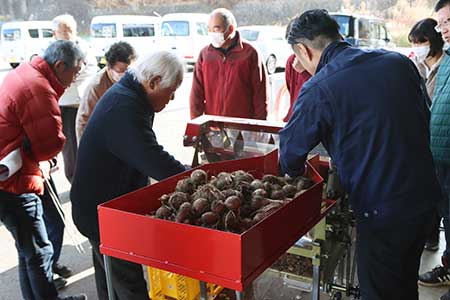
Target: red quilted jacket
29 107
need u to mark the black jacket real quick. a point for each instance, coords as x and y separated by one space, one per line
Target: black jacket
117 153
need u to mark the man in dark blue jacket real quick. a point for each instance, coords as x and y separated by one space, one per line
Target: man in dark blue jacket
118 153
369 110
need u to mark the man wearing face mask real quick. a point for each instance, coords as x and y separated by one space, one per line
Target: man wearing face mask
229 76
375 129
118 58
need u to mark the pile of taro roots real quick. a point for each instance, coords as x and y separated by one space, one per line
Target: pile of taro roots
229 201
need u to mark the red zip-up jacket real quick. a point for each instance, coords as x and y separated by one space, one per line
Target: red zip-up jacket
294 83
29 107
231 85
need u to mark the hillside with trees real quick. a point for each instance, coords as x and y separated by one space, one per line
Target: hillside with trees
400 14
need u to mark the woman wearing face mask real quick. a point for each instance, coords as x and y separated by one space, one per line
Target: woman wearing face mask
427 48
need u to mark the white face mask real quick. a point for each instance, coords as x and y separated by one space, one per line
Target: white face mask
421 52
217 38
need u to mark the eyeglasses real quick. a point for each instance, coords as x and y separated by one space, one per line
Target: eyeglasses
439 27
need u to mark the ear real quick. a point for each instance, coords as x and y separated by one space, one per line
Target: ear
305 51
154 82
230 31
59 66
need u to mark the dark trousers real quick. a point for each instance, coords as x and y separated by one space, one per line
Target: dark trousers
388 258
127 277
443 175
53 222
69 152
22 216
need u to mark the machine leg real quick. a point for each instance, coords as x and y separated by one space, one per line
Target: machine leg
108 271
316 283
203 291
239 295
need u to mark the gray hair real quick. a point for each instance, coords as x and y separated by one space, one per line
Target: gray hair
65 19
228 17
160 63
65 51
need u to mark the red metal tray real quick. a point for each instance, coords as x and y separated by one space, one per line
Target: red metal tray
224 258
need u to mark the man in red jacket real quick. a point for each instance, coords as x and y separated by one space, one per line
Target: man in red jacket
229 76
31 121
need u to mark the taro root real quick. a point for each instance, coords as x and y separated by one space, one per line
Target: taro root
260 192
164 199
273 180
267 186
257 202
224 181
177 198
303 183
200 206
256 184
199 177
245 189
266 211
186 186
245 224
230 192
289 190
218 207
183 212
277 195
240 176
209 218
163 212
245 211
231 221
233 203
276 187
209 192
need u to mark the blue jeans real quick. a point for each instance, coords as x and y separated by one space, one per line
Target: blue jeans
443 175
22 216
53 222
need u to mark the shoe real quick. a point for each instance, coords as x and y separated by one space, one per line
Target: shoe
446 296
431 246
60 283
77 297
62 270
439 276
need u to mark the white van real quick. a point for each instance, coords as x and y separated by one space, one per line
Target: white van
185 33
21 41
141 32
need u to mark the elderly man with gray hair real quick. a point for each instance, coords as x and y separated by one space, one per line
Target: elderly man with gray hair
31 122
117 154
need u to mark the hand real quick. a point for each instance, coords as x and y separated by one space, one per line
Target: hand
45 167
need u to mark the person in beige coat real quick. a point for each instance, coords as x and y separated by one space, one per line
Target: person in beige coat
119 56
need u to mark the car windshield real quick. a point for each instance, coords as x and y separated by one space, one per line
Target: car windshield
344 24
175 28
11 34
103 30
249 35
137 30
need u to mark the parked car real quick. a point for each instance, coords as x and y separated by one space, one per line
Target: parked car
364 31
21 41
141 32
186 34
271 42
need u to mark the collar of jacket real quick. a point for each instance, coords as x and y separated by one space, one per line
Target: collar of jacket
39 64
237 48
330 52
130 82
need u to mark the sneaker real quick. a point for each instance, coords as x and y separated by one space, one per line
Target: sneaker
446 296
431 246
437 277
62 270
60 283
77 297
